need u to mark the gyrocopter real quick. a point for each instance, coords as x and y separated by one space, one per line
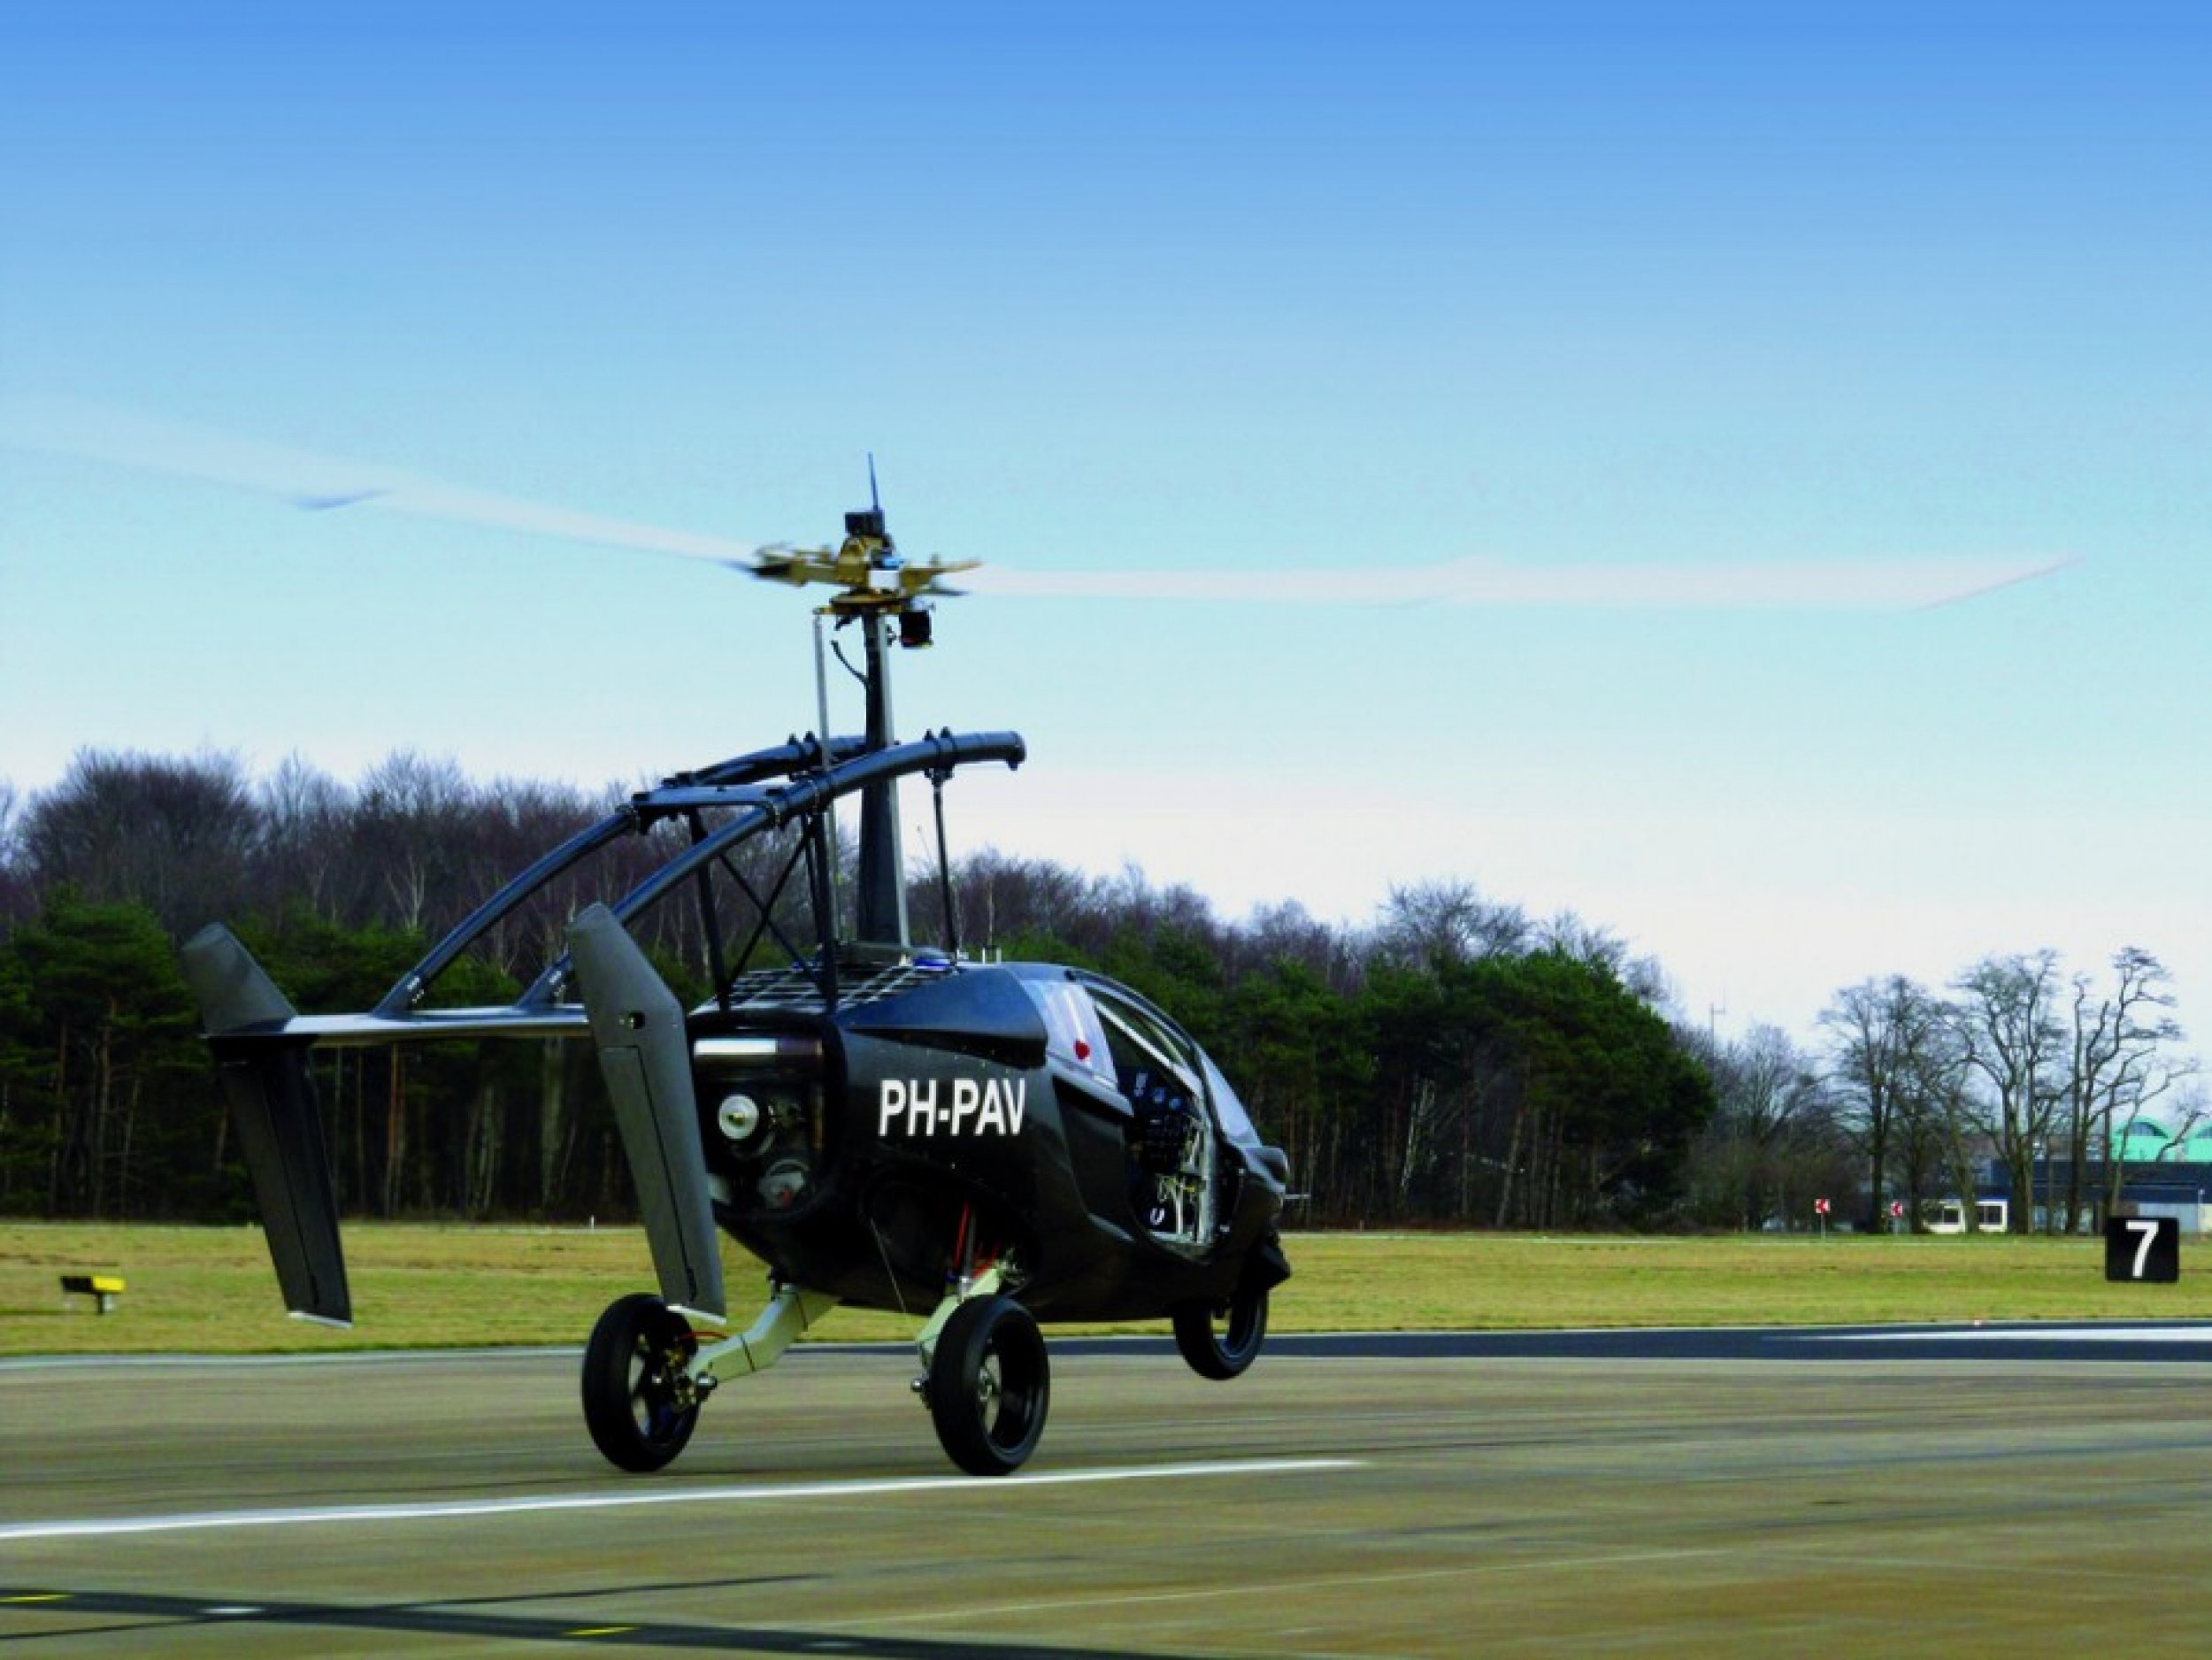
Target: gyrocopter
886 1124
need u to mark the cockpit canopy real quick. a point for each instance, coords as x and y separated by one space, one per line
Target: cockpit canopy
1124 1042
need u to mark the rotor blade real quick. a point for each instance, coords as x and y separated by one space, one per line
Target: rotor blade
89 432
1794 585
92 432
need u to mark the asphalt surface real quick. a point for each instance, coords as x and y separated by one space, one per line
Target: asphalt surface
2020 1490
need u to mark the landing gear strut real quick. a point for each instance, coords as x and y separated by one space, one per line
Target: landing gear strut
647 1369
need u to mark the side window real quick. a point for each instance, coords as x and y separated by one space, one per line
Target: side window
1072 1032
1151 1062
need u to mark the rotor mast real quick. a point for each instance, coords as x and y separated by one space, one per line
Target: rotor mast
877 589
880 902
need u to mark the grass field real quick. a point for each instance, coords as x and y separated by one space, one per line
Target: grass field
211 1291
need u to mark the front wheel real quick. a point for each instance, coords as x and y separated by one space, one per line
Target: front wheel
989 1386
1220 1339
639 1401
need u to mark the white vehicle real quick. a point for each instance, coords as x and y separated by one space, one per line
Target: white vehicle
1948 1216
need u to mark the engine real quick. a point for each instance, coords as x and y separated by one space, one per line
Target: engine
762 1124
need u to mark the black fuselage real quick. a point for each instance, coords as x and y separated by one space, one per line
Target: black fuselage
892 1145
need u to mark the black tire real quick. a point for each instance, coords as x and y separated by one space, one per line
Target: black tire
638 1404
989 1386
1220 1339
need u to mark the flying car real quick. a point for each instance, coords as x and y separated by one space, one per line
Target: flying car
984 1145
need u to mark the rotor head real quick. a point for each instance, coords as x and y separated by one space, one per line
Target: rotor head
870 576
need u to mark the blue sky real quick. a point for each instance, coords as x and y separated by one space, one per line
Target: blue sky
1278 289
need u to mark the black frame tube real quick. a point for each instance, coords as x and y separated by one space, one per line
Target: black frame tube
812 788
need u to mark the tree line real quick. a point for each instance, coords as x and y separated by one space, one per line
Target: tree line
1457 1062
2016 1065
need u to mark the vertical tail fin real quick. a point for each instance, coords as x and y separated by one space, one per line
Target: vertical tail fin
272 1103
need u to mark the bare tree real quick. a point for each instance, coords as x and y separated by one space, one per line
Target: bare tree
410 816
1773 1141
304 815
2118 1062
1586 942
1427 925
1885 1036
15 882
2007 1019
1003 897
1289 933
177 836
1947 1121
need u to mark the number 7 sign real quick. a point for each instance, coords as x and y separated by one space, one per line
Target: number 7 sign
2143 1247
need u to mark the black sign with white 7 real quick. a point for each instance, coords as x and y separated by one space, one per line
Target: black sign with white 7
2145 1247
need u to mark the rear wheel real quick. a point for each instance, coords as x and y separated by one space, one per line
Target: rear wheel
639 1401
1220 1339
989 1386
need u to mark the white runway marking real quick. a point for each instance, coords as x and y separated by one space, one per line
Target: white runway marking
204 1521
2199 1334
256 1362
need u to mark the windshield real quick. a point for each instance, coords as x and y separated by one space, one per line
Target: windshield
1236 1123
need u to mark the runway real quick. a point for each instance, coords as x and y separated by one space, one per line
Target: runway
1647 1494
